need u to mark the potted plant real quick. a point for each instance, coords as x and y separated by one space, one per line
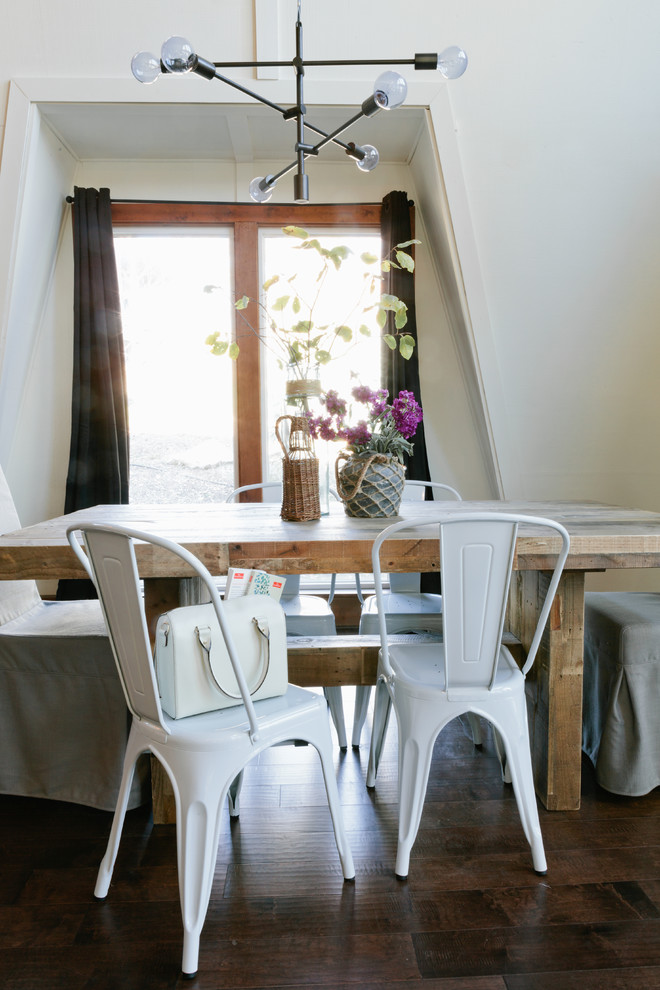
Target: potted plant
370 481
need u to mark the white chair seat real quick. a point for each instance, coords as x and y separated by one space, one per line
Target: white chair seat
274 715
423 665
308 615
404 613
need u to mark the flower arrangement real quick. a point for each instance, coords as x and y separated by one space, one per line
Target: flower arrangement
287 317
387 429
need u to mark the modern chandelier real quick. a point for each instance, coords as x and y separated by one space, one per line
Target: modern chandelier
389 92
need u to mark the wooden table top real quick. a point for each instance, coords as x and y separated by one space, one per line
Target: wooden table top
254 535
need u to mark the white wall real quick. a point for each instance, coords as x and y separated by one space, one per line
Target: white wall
551 183
35 382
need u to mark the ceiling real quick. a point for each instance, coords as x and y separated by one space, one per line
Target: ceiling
196 131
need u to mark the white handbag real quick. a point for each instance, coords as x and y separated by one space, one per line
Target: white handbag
192 662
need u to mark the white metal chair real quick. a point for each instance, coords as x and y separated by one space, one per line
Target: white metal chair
203 755
307 615
63 719
429 684
408 610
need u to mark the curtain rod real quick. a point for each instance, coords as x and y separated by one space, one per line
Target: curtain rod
204 202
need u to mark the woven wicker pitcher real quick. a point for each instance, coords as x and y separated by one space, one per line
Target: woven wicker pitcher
370 485
300 472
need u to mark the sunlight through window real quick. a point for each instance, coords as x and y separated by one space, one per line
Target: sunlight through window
181 410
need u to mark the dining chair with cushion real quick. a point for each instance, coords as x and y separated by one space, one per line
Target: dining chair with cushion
429 684
621 688
307 615
407 609
63 720
202 755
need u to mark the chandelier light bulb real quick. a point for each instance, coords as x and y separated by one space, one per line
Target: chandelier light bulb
177 55
392 87
257 193
145 67
370 160
452 62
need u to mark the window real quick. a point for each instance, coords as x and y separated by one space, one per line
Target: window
201 425
181 412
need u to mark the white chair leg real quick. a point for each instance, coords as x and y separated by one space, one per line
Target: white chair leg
475 728
197 842
336 706
382 709
416 737
362 696
519 763
323 745
502 757
233 795
133 750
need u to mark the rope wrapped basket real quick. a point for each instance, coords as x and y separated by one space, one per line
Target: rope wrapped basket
370 485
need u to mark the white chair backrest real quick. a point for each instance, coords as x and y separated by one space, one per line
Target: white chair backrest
111 563
476 560
262 485
407 584
416 490
16 597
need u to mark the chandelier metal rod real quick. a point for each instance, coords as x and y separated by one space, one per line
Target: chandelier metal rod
315 64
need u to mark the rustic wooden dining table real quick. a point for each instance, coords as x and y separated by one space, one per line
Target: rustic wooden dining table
254 535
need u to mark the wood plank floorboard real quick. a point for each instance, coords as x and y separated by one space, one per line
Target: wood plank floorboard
471 916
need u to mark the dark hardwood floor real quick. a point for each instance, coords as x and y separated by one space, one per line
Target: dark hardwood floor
471 916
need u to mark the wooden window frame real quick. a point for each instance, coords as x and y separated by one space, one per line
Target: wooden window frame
246 220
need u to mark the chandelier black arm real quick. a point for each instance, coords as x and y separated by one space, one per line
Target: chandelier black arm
202 63
420 61
327 138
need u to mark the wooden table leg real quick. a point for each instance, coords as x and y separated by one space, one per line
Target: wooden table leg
554 684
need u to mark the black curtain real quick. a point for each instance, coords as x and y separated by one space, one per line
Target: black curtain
99 453
397 373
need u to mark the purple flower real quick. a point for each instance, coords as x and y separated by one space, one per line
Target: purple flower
357 435
321 428
363 393
407 414
386 430
379 402
334 405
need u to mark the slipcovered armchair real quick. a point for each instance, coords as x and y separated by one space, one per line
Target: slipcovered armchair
63 718
621 685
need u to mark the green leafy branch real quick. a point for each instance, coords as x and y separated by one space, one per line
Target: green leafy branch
294 334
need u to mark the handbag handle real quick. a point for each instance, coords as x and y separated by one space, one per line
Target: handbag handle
203 634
